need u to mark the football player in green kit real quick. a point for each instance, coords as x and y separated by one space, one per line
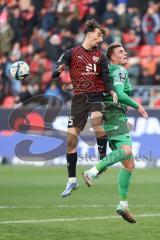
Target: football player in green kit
116 127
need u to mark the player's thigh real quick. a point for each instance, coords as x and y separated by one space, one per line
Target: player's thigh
79 112
96 120
122 141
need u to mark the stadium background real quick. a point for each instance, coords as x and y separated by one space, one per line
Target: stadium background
38 31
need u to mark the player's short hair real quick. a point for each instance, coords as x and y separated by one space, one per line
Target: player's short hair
91 25
111 48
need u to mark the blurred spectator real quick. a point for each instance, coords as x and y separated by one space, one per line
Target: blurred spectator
16 22
142 94
53 47
92 13
48 20
6 32
39 31
24 4
67 40
134 70
16 51
146 78
110 17
2 5
2 94
37 40
30 19
27 92
148 72
108 37
53 90
131 40
136 26
123 17
150 25
38 4
132 13
157 73
73 23
100 9
62 6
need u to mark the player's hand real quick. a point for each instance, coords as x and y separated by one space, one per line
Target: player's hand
61 68
114 95
142 111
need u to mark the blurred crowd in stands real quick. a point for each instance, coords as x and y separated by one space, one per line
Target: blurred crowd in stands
39 31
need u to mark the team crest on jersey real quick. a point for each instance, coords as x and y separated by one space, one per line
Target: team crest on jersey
95 59
122 76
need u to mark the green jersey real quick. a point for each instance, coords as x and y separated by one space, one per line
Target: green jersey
119 77
115 119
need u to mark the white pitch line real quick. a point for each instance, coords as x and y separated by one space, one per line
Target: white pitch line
74 219
74 206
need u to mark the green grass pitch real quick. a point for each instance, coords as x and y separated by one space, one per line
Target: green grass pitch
31 207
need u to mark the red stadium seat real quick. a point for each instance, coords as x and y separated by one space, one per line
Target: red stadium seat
138 100
47 77
156 104
145 51
34 67
158 38
143 61
48 64
8 102
156 51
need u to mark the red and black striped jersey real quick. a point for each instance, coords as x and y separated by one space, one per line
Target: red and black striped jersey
88 69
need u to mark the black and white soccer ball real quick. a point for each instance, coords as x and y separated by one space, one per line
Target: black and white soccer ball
19 70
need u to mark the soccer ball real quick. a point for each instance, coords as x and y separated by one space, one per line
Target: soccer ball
19 70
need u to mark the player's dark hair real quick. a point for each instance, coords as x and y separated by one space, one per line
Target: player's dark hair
111 48
91 25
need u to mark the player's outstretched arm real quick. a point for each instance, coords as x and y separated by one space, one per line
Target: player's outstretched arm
125 99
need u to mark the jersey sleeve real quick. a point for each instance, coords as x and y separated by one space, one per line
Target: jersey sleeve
65 58
123 97
105 73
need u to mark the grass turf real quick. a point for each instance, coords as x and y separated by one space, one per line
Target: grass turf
28 193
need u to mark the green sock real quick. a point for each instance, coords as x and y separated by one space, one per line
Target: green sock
123 183
113 157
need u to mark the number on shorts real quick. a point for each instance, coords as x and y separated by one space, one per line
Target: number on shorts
70 121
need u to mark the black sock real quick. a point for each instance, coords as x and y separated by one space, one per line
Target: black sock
102 145
71 164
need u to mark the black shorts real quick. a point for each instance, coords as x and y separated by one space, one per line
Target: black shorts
82 105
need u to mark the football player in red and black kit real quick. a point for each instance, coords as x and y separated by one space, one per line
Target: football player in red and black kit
88 69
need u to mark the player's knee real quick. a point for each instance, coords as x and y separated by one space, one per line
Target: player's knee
129 165
127 149
99 131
